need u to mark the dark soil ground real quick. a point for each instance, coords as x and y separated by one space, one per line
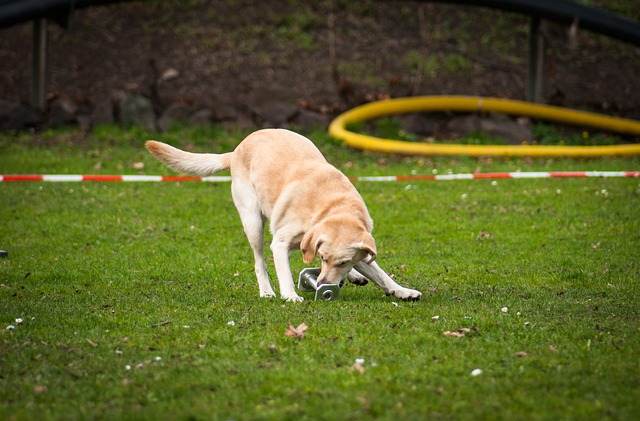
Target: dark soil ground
327 55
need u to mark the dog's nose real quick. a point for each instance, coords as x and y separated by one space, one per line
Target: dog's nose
323 281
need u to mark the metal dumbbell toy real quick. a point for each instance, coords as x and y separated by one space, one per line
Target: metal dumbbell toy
308 282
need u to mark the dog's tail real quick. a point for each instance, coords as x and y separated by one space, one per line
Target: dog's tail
201 164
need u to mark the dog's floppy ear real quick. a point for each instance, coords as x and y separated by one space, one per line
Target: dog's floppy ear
369 247
309 246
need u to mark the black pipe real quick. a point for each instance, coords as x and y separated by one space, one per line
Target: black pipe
13 12
566 12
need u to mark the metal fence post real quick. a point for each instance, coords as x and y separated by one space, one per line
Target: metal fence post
536 62
39 64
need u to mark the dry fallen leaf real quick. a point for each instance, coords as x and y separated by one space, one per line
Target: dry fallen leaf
522 354
484 235
297 332
460 332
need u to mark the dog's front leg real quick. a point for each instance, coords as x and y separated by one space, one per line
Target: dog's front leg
280 250
379 277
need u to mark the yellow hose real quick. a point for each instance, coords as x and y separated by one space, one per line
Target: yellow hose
337 128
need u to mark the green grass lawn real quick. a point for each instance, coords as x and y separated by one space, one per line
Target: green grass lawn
138 301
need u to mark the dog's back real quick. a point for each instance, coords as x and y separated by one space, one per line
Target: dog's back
277 150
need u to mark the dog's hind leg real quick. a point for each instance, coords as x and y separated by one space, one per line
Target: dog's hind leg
253 223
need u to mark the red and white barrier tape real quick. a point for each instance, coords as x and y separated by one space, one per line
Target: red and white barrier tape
216 179
495 175
101 177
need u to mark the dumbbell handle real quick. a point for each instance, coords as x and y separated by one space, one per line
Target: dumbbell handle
308 282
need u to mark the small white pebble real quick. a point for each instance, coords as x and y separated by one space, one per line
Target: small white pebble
395 304
518 314
527 323
464 196
127 367
476 372
158 358
359 361
504 309
494 183
435 318
558 191
19 321
231 323
118 352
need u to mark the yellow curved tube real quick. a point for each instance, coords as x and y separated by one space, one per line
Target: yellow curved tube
337 128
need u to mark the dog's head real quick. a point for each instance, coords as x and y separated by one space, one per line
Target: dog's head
340 245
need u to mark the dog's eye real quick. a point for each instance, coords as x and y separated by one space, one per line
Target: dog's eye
342 263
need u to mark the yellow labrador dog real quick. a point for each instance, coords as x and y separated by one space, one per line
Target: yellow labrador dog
281 175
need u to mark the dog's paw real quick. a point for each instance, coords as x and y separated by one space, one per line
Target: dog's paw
292 298
357 279
407 294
